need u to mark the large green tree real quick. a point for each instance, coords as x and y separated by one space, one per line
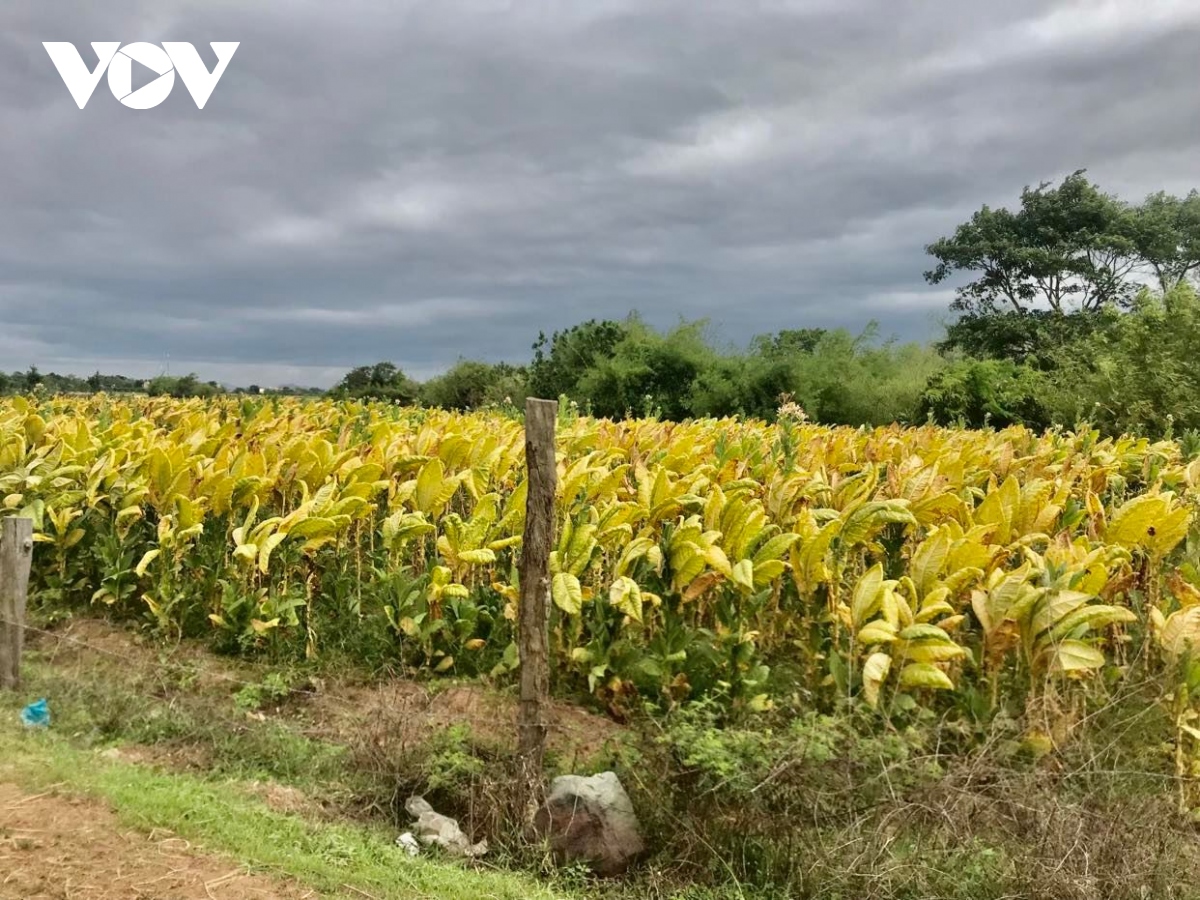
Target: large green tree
1033 338
1166 233
647 372
1067 248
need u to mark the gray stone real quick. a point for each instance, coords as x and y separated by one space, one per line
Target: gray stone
590 820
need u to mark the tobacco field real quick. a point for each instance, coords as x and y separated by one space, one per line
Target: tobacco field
900 568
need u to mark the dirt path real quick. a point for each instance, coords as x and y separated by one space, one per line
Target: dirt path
57 847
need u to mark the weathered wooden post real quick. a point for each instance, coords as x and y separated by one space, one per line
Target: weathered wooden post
16 554
533 636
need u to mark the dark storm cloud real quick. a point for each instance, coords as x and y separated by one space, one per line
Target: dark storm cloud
423 180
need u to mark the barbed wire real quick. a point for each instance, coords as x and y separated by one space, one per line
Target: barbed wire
210 673
197 670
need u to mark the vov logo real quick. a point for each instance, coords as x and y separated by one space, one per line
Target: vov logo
118 61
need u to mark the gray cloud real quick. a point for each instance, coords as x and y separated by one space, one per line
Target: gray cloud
423 180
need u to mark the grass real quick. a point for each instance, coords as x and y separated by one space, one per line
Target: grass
98 706
339 859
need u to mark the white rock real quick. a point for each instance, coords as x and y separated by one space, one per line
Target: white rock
591 820
434 828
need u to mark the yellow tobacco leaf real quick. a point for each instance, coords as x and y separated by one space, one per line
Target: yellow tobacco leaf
865 600
875 672
567 593
925 675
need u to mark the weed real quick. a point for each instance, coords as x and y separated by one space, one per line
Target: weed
254 697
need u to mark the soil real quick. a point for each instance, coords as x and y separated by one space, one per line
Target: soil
344 713
57 847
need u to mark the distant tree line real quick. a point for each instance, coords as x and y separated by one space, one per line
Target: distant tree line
32 380
1074 308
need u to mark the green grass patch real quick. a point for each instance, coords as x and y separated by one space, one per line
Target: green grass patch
101 708
218 817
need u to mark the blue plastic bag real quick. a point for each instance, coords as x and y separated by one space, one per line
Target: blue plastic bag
36 715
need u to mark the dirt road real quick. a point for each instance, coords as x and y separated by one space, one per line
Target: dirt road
58 847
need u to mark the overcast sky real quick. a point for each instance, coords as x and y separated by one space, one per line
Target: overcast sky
419 181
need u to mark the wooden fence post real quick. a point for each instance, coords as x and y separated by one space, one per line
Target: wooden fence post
16 554
533 636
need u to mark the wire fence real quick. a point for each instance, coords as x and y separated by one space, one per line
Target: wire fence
585 727
163 665
182 670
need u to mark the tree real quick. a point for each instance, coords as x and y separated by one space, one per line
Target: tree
355 381
382 381
789 342
187 386
857 380
95 382
560 364
744 384
471 384
32 378
1139 375
161 386
1066 248
976 393
1166 233
1033 337
648 373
